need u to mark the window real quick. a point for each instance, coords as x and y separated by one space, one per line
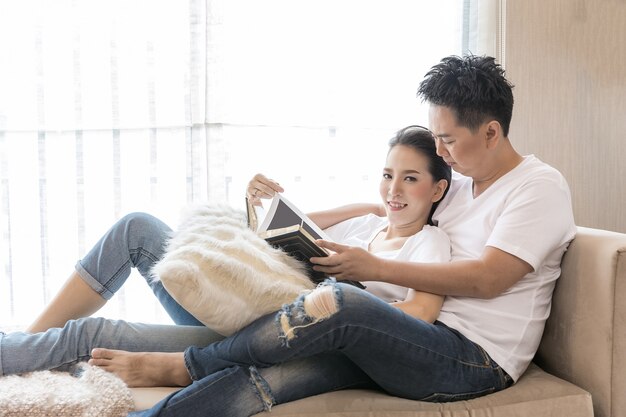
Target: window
113 107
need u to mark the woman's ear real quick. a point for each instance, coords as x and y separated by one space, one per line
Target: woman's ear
440 188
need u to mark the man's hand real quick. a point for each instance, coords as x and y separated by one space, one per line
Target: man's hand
347 262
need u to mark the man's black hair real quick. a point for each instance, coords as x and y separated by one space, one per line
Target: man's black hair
473 87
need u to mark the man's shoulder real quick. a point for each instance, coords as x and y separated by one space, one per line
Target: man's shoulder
535 167
536 174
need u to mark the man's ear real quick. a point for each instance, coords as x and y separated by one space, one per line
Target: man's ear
493 134
440 188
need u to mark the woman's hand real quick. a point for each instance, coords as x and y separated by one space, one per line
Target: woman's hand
261 187
348 263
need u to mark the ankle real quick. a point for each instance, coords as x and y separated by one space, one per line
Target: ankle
180 374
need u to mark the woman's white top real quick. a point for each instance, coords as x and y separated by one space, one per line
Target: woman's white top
431 244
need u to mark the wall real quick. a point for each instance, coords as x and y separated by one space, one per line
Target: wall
567 59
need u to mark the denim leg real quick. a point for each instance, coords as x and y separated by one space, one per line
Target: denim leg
136 240
305 377
241 391
61 348
388 345
227 393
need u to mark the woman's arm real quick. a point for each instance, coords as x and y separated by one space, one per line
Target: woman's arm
327 218
421 305
262 187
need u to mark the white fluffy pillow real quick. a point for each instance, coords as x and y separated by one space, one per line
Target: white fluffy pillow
225 275
93 392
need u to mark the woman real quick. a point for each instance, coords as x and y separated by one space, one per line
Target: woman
336 336
74 341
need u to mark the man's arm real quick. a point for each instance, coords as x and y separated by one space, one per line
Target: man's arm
486 277
327 218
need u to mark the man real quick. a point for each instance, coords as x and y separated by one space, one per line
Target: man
509 219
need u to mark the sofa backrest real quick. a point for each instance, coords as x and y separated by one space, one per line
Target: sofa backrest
584 341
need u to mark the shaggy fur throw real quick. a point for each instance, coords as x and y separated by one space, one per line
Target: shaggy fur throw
225 275
93 392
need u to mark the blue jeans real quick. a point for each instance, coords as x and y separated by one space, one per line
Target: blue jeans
236 391
136 240
365 342
61 348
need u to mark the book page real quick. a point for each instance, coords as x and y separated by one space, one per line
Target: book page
254 214
283 213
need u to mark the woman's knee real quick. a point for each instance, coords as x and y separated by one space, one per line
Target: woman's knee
140 222
143 231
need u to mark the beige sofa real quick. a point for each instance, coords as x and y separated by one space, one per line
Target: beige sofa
580 368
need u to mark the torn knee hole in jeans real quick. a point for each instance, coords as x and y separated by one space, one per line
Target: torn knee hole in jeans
309 309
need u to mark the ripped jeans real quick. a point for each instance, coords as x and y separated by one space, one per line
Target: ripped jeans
335 337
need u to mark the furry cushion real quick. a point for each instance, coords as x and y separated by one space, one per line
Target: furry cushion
222 273
94 392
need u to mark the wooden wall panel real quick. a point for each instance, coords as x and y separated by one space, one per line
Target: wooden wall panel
567 59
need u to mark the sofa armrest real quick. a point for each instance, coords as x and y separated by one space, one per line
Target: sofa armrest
585 336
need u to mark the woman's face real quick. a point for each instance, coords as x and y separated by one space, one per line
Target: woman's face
407 188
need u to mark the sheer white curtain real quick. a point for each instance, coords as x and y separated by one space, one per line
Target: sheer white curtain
323 85
97 114
119 106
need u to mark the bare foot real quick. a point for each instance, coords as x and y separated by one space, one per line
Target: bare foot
143 369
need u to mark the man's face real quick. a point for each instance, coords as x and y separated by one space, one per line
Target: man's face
465 151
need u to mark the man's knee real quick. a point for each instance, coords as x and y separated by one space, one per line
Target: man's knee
311 308
321 302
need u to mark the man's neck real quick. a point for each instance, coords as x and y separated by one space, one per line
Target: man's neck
505 165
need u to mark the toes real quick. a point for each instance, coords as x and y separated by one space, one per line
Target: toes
98 362
101 353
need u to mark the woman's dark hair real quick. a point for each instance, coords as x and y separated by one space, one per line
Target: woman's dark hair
473 87
422 141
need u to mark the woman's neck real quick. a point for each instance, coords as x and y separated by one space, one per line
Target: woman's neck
393 238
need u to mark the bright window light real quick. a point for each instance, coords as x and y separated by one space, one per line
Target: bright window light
112 107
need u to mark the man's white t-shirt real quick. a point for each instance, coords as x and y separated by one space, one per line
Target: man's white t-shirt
527 213
431 244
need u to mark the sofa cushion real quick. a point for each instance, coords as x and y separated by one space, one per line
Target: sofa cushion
536 394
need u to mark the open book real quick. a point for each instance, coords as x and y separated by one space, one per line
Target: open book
286 227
